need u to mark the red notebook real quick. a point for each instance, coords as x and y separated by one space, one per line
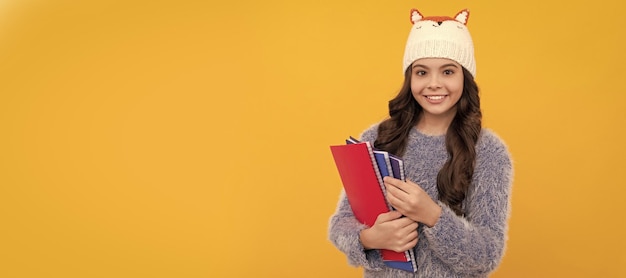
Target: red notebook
364 189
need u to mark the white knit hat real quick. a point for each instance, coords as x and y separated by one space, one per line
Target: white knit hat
440 37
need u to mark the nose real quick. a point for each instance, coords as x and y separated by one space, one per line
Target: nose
434 82
439 22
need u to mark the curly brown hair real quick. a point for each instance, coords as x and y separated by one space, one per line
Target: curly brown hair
455 176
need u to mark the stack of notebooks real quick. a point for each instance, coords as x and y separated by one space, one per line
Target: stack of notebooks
362 169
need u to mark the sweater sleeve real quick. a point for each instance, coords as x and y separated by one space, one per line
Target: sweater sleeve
344 231
474 245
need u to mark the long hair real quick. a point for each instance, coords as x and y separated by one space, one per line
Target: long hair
455 176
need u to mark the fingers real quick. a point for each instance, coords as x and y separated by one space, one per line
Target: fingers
404 186
388 216
404 195
392 199
412 237
412 243
405 224
397 185
411 226
407 242
400 233
397 202
392 181
395 196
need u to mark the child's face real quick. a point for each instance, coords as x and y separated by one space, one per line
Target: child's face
437 85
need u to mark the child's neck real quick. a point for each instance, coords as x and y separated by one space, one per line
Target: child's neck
434 125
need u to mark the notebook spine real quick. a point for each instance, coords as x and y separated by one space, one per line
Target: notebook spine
378 175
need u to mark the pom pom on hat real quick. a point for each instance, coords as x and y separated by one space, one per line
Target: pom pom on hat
440 37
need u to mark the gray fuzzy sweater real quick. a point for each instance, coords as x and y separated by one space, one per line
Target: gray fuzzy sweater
470 246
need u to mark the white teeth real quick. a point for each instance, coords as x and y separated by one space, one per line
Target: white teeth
435 97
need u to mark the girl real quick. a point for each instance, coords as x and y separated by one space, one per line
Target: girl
454 206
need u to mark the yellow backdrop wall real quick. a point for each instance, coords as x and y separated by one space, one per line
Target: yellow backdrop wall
190 139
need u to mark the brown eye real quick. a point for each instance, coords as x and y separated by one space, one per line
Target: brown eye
448 72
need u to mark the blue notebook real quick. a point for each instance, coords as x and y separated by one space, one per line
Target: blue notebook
387 163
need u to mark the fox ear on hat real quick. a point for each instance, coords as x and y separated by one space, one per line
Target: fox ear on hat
415 16
462 16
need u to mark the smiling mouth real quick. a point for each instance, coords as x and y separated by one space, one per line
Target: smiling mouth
435 97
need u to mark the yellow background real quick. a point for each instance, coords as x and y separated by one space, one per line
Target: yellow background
180 139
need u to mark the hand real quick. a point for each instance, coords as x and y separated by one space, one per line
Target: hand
412 201
391 231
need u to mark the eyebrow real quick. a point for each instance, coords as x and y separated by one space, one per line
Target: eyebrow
442 66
